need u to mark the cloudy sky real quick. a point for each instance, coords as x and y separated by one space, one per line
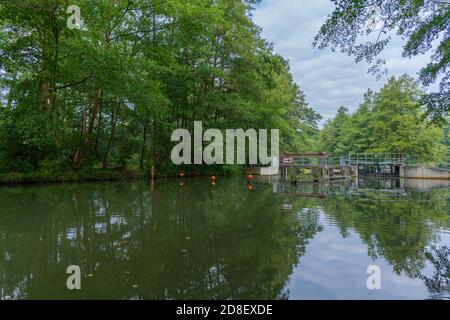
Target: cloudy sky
328 79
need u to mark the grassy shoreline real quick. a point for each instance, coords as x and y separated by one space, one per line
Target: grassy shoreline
92 175
38 177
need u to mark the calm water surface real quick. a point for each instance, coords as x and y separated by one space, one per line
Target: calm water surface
190 240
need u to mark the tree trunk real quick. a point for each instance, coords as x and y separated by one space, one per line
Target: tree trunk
144 142
97 135
84 147
111 136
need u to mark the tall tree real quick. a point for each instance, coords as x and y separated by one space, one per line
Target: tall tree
388 121
111 93
332 132
425 24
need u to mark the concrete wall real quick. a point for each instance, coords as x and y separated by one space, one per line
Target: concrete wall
420 172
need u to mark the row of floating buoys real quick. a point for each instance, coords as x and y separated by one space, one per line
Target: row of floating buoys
182 175
250 186
214 180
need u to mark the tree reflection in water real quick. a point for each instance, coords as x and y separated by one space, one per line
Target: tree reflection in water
399 230
196 241
439 283
191 242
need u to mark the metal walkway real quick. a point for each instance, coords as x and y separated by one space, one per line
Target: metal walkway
393 159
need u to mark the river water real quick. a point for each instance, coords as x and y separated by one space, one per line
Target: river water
189 239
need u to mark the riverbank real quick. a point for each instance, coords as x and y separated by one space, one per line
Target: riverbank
94 174
86 175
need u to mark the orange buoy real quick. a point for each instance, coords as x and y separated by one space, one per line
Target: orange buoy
213 178
250 187
182 174
250 177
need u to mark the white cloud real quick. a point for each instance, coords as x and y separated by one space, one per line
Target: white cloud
329 79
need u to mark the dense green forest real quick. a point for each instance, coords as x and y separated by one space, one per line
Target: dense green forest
108 94
111 93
